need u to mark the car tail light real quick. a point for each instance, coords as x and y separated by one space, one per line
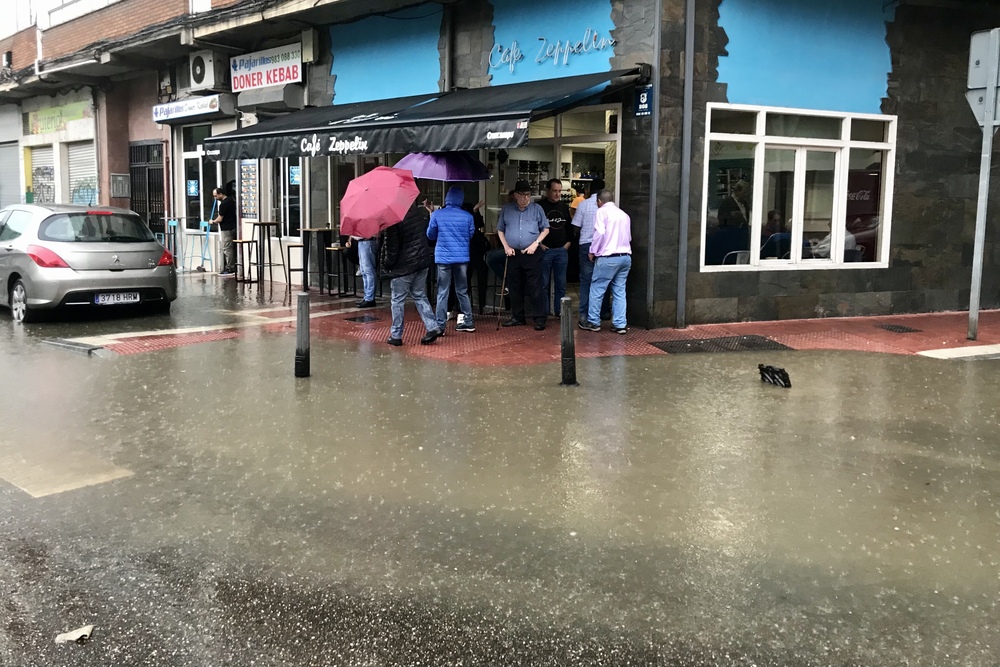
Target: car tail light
100 212
45 258
166 259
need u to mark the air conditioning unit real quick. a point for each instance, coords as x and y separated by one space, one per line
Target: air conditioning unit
207 70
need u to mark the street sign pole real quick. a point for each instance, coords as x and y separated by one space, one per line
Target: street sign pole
989 128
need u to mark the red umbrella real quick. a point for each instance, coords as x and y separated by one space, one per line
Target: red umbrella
376 200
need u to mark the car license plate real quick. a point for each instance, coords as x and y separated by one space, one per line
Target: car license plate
115 298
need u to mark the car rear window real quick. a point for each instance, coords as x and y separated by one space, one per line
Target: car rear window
94 228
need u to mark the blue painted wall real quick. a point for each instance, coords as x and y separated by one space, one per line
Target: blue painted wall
558 21
380 57
810 54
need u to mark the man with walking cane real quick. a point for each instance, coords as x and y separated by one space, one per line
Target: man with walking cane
521 228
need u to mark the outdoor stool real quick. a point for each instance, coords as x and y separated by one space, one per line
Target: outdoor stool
288 262
206 256
244 251
337 268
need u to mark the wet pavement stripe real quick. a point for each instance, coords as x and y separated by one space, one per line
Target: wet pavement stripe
40 472
111 339
970 352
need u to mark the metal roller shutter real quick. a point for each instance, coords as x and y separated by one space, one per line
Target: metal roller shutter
10 177
82 173
43 175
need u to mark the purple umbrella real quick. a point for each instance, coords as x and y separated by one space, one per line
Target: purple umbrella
453 166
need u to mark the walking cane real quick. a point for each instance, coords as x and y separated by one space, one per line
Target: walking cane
503 289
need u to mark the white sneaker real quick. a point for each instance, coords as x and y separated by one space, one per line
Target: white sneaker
451 314
460 320
358 272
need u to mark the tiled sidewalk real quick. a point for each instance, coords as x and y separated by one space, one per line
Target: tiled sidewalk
928 334
490 346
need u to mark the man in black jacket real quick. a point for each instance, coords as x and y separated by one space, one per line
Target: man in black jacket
406 257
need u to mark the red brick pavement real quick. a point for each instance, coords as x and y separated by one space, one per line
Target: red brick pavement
490 346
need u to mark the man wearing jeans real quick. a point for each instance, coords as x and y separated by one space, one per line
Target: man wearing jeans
227 230
586 215
555 258
366 261
611 252
452 228
406 256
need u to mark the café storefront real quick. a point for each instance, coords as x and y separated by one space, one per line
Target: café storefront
534 130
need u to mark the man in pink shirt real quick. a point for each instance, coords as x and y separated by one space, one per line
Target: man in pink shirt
611 252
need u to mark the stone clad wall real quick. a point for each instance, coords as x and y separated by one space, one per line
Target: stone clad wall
934 203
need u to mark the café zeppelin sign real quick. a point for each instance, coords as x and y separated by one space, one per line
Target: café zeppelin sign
558 53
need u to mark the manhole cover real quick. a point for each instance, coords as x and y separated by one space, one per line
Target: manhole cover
897 328
724 344
363 318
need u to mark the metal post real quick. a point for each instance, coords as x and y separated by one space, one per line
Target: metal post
984 182
686 139
568 343
302 337
654 165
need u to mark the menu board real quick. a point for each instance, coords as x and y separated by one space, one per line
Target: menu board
248 189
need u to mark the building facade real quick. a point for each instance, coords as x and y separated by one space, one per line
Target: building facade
824 161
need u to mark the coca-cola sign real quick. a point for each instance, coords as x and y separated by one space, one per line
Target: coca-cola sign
863 189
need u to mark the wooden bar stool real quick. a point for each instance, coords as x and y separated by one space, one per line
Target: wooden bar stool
244 251
288 262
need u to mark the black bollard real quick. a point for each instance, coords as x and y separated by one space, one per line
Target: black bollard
302 337
568 343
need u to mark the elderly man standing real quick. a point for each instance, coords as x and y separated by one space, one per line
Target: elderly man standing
586 215
522 227
611 252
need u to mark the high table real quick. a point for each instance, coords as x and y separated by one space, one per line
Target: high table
265 258
325 236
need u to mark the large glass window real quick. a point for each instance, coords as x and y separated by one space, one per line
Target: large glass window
788 189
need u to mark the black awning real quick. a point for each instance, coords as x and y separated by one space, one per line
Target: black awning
490 117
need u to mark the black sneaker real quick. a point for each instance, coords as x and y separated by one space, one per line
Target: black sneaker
589 326
365 304
431 337
513 322
539 325
467 326
395 342
620 331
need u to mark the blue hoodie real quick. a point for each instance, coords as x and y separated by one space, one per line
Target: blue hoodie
452 228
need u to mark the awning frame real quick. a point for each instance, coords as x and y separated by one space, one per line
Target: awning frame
410 124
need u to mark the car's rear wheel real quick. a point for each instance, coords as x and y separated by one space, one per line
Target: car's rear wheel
19 303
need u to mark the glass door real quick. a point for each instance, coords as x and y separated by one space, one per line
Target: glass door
287 178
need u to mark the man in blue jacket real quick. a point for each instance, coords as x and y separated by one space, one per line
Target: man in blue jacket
452 228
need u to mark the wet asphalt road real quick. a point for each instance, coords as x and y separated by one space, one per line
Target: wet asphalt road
393 511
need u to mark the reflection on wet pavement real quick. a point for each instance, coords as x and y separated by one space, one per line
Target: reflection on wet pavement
672 510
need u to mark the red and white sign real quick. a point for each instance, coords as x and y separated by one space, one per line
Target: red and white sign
273 67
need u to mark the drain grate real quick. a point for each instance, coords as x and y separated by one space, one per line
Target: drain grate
362 319
897 328
725 344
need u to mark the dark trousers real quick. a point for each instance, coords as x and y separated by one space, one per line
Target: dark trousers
524 278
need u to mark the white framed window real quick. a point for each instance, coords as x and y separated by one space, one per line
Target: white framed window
794 189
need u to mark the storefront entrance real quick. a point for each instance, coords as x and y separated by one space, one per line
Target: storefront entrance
201 175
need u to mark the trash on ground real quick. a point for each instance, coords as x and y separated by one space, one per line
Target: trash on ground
80 635
773 375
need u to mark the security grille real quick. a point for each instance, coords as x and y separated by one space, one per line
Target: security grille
10 177
146 182
43 175
82 173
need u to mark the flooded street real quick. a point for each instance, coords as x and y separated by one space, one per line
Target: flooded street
201 506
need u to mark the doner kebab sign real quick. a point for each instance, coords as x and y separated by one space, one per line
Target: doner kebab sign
273 67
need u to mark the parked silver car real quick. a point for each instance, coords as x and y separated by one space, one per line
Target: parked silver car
53 256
